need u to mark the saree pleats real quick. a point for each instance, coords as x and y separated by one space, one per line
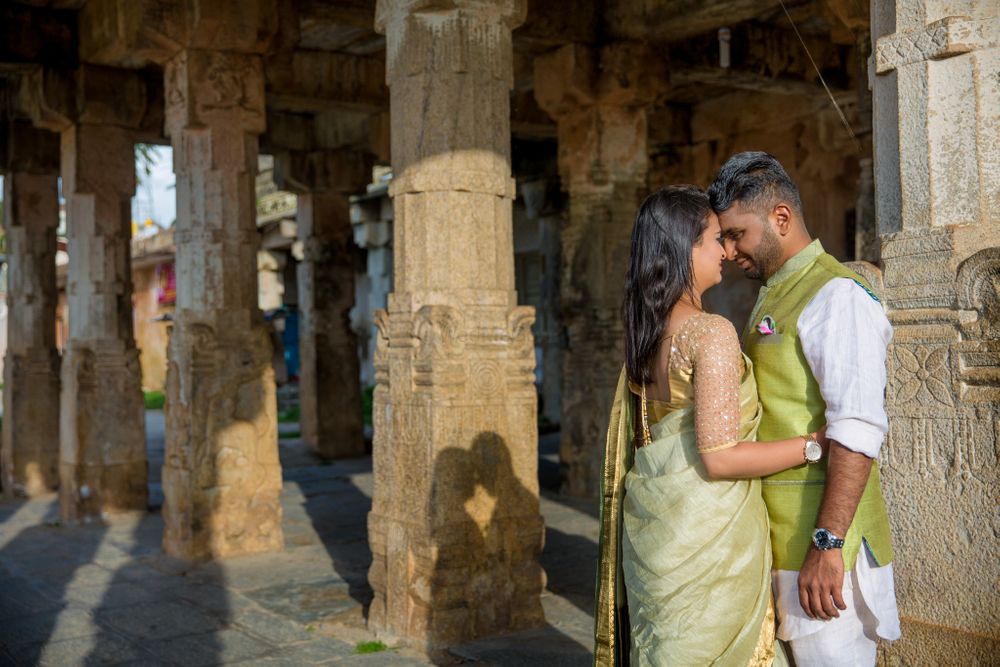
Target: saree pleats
690 555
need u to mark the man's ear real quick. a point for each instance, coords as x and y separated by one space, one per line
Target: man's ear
781 215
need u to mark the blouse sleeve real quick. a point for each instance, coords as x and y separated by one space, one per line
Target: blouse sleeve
717 364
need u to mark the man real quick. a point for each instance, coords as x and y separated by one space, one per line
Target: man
817 338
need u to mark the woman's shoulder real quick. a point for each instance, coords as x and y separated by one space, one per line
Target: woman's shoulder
707 331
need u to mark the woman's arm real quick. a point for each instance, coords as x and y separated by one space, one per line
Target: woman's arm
757 459
717 365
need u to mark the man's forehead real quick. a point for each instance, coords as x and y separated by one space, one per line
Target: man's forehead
735 219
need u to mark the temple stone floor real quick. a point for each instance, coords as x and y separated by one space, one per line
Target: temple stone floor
107 595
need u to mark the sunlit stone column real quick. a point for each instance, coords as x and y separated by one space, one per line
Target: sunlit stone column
221 477
329 379
29 454
937 179
455 530
600 100
102 436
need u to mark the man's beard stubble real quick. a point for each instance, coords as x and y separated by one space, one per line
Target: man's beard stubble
766 257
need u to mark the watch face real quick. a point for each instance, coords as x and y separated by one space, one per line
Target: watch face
813 451
822 538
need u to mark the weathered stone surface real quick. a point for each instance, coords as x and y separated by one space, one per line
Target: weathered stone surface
102 442
29 453
221 477
134 33
329 379
318 80
600 101
938 189
454 529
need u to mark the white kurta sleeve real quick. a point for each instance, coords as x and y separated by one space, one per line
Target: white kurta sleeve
845 336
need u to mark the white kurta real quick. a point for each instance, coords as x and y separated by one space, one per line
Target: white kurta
845 335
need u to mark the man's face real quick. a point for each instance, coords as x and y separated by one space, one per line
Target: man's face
750 242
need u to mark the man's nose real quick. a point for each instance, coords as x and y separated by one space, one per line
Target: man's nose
729 246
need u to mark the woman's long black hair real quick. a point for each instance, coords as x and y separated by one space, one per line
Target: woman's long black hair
669 224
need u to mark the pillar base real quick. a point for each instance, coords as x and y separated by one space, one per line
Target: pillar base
30 446
102 466
221 475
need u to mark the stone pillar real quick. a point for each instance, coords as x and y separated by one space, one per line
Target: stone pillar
455 530
29 455
102 435
329 376
221 477
937 178
600 101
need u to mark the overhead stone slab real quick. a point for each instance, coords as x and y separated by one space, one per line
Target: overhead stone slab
59 98
311 81
26 149
134 33
36 35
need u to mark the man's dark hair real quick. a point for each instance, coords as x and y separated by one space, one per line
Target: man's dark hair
756 181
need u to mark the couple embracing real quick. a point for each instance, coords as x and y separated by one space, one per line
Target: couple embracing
740 494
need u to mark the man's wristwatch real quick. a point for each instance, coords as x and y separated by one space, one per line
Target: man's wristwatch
824 540
812 452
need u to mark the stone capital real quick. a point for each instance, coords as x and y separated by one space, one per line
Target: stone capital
25 148
133 33
56 99
510 13
214 89
623 74
948 37
333 171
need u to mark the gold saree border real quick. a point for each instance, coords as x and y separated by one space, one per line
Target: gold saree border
611 649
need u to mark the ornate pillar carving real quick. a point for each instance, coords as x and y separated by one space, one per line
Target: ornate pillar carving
329 379
29 454
221 477
102 434
937 178
455 530
600 101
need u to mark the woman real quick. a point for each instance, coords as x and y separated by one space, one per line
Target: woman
684 533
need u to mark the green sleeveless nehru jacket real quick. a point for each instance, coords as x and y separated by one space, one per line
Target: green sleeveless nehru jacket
792 405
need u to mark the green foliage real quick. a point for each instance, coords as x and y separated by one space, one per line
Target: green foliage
289 435
370 647
289 415
153 400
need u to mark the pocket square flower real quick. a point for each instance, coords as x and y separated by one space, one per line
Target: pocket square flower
767 326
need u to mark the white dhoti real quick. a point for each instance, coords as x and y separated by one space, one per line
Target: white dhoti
851 638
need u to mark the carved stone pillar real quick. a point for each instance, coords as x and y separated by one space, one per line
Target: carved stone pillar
29 454
455 530
221 477
102 436
600 101
937 178
329 379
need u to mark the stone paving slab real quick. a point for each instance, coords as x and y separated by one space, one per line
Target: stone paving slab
105 594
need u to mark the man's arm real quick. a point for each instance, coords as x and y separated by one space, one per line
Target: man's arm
821 579
844 334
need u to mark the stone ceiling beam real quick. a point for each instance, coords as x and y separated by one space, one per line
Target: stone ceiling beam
134 33
38 36
312 81
675 20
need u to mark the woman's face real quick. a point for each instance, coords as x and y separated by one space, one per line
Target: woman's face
708 255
